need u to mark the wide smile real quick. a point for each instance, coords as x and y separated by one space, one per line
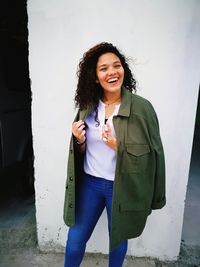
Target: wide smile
113 80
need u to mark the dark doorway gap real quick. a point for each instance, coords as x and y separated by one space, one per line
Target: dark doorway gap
17 196
16 151
191 222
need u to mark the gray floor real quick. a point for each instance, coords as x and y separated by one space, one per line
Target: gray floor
32 258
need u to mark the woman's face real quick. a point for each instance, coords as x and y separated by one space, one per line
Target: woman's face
110 73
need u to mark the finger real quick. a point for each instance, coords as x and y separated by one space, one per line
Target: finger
104 137
109 130
104 133
108 125
80 128
83 133
77 124
79 133
105 128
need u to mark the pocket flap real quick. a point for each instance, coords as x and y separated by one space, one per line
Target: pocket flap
131 206
137 150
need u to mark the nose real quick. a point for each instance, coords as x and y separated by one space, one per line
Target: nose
111 71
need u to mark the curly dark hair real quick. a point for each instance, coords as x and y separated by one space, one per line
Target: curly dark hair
89 92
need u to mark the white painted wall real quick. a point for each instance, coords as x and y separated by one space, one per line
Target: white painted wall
163 38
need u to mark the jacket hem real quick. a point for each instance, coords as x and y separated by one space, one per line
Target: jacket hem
158 205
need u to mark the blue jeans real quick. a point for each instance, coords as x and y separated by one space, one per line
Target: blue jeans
93 196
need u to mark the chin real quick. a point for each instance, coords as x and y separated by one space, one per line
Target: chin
112 90
115 89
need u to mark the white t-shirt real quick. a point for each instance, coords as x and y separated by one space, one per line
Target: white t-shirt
100 159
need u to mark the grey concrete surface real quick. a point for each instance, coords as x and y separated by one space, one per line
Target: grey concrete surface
17 222
33 258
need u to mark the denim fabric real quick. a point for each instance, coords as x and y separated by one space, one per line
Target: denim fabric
93 196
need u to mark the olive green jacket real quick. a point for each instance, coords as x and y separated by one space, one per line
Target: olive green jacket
139 184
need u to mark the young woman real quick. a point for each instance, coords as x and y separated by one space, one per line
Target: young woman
116 158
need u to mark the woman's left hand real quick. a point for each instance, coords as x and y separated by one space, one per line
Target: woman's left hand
108 137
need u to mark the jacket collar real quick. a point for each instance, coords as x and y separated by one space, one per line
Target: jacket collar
124 109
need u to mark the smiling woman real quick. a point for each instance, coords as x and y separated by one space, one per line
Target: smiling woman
116 159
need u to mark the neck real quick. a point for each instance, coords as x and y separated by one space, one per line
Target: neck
109 98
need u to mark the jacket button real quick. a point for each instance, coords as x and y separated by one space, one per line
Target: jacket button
71 151
67 186
71 178
70 205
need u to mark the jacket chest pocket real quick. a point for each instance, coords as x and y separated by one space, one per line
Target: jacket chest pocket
135 158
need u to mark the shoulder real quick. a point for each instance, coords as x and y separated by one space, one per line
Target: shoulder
141 106
139 100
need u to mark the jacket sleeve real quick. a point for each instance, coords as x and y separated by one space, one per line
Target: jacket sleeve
159 198
69 200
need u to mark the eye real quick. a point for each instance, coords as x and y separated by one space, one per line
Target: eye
102 69
117 66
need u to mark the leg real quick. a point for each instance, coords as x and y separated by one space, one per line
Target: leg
89 207
116 256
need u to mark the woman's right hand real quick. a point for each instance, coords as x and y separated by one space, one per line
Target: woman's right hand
78 130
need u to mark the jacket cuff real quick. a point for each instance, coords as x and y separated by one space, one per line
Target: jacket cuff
158 205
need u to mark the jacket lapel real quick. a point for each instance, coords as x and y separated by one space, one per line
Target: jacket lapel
125 106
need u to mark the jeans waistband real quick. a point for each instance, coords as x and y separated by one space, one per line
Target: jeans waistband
100 179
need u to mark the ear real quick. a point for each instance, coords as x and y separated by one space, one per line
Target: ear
97 81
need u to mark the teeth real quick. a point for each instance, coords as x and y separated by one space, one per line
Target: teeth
112 80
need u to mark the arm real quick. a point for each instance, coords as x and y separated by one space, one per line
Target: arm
159 199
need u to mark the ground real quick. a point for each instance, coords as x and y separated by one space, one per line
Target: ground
18 243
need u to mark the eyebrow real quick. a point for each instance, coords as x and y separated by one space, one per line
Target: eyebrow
103 65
